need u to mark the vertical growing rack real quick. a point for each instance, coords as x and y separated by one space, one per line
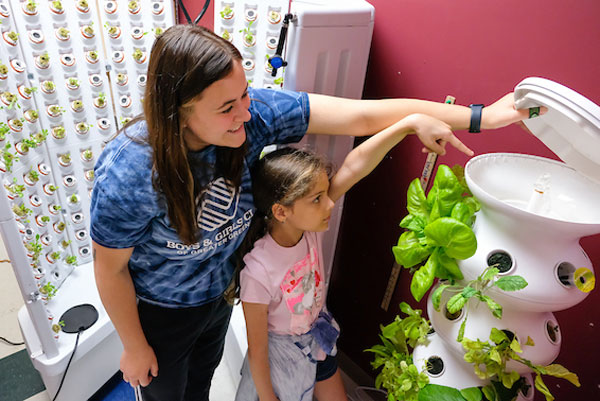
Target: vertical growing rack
253 27
72 72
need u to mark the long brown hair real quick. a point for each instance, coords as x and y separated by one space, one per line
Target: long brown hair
184 61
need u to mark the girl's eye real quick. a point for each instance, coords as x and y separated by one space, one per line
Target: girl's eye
227 110
245 95
317 199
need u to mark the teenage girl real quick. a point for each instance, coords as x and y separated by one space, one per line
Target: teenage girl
291 337
163 254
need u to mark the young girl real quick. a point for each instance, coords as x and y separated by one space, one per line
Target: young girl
291 336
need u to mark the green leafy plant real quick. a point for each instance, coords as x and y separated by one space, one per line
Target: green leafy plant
31 6
55 255
438 230
4 130
33 175
476 289
73 82
399 376
226 12
35 247
58 132
63 33
12 35
39 137
8 157
71 260
15 188
65 158
49 290
21 210
494 355
248 35
3 69
57 326
48 86
57 4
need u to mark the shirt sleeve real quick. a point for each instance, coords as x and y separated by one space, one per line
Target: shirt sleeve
123 201
253 285
278 117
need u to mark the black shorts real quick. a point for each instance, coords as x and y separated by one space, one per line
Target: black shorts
326 368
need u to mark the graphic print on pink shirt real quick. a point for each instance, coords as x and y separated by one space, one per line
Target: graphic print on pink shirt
302 289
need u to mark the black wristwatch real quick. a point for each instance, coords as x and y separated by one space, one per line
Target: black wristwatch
475 125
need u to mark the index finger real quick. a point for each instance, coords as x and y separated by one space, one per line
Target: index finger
454 141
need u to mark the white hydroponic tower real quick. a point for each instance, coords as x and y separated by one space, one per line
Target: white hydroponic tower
533 213
71 73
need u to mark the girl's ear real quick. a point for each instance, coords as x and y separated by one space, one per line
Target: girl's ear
279 212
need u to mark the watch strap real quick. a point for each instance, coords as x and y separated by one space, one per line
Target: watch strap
475 125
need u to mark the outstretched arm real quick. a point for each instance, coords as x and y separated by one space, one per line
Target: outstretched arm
339 116
365 157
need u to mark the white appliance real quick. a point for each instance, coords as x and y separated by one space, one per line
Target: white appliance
327 50
533 213
71 73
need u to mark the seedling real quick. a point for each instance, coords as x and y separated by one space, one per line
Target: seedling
77 105
58 132
33 176
16 124
71 260
45 219
226 12
113 30
274 17
60 227
82 5
133 6
158 31
100 101
57 327
55 110
35 247
88 30
74 198
15 188
249 38
82 128
138 55
92 55
57 5
125 121
65 158
63 33
21 210
73 83
9 99
122 79
31 115
31 6
65 243
87 155
55 255
226 35
3 69
8 157
48 86
49 290
278 81
13 36
40 137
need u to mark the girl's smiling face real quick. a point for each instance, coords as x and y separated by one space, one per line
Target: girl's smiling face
217 117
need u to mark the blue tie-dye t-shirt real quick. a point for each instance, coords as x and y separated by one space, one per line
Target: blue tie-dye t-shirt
127 212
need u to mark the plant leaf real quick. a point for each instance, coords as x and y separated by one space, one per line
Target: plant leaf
489 392
542 388
472 394
558 370
450 266
414 223
416 202
494 306
490 274
409 251
436 392
456 303
423 278
461 330
457 239
511 283
436 297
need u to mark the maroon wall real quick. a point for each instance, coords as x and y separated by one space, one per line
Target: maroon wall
475 50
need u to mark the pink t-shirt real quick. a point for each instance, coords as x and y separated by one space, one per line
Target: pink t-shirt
289 280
